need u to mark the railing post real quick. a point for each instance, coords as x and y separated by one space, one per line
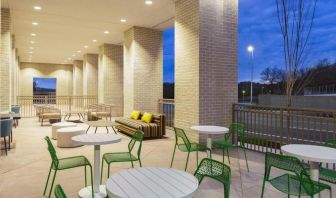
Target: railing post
281 126
45 99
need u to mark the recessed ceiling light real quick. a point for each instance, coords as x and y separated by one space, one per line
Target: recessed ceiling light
94 40
35 23
85 46
32 42
78 51
123 20
149 2
32 34
37 8
106 32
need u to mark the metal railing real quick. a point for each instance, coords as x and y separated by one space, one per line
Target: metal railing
270 127
320 90
167 107
64 103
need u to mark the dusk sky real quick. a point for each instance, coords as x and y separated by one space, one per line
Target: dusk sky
258 26
49 83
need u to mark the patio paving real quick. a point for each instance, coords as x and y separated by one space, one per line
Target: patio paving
24 171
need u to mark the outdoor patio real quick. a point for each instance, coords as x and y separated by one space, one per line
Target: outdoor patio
24 171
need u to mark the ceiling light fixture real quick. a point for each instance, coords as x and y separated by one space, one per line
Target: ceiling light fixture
35 23
94 40
37 8
30 52
32 34
123 20
32 42
85 46
148 2
78 51
106 32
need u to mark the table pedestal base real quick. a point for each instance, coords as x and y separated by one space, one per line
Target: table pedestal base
86 192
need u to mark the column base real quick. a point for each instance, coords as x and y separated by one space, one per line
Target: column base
87 192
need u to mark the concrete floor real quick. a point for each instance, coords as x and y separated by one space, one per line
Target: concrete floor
23 172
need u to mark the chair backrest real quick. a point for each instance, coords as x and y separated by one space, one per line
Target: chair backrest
180 134
59 193
6 126
213 169
15 109
136 137
290 164
52 152
331 143
237 129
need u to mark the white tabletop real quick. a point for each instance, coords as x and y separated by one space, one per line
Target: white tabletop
311 152
208 129
64 124
96 139
151 182
70 129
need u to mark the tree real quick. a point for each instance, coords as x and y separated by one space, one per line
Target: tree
296 21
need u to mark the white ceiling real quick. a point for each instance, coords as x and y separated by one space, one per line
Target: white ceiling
66 26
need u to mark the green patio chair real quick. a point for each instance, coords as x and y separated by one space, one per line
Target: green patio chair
186 146
124 156
327 174
64 163
215 170
234 129
296 181
59 193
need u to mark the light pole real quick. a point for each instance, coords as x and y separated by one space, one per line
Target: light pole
243 95
250 50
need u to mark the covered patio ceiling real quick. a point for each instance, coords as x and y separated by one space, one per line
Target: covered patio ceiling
66 27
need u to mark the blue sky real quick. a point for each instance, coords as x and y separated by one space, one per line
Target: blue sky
258 26
49 83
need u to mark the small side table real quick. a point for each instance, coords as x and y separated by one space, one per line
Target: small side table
102 123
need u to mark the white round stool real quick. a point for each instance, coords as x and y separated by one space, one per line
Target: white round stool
59 125
64 136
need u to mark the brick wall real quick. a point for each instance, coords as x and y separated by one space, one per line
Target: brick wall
5 60
110 75
62 73
90 74
205 62
77 78
142 69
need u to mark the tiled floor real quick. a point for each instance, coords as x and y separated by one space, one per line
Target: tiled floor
24 171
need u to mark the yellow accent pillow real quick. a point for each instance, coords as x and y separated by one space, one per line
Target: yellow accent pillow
147 117
135 115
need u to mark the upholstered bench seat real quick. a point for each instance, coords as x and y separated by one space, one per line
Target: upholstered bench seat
64 136
59 125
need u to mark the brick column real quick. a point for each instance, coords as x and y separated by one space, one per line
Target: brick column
142 69
5 60
110 77
205 63
90 74
77 72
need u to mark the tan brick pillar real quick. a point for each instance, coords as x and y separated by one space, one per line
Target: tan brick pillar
5 60
205 63
142 69
77 89
110 77
90 74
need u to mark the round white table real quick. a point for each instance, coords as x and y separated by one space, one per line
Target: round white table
151 182
312 153
208 131
96 140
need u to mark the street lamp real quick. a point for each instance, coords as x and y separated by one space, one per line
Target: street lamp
243 95
250 50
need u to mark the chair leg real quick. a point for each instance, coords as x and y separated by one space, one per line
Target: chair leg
140 162
45 188
263 189
108 171
9 143
91 182
171 164
85 175
223 155
52 184
248 170
185 169
132 164
228 156
5 145
101 173
196 158
11 136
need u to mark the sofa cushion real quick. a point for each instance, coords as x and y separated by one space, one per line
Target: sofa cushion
147 117
135 115
136 124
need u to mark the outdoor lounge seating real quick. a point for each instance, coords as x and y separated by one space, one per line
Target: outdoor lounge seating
59 193
64 163
50 113
296 182
5 131
156 128
98 111
186 146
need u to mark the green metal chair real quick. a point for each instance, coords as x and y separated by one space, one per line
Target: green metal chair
235 129
298 183
327 174
186 146
59 193
215 170
124 156
64 163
